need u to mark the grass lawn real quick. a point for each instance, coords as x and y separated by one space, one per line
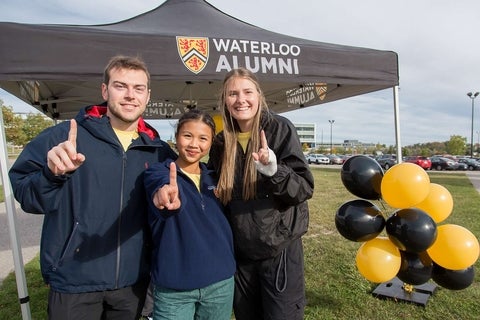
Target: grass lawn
335 289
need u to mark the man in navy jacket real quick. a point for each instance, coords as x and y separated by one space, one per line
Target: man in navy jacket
86 177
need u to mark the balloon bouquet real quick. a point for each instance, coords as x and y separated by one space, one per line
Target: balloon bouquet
416 249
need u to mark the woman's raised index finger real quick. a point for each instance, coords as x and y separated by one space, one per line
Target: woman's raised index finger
72 134
263 140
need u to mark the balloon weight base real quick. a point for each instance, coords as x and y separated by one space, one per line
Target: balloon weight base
395 289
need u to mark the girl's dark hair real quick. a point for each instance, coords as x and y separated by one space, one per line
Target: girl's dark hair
196 115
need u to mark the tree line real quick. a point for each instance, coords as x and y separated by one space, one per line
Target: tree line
21 128
457 145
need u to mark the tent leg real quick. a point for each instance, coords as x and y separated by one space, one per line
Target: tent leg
10 208
396 113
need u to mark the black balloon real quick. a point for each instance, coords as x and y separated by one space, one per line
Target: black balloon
362 176
411 230
359 220
453 279
416 268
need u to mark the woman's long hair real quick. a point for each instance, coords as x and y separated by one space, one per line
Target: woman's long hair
230 130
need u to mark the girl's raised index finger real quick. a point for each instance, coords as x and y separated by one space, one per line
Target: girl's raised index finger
72 134
173 174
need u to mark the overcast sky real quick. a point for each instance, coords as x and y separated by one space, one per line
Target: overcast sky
437 43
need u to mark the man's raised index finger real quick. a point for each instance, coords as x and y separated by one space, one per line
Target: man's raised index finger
72 134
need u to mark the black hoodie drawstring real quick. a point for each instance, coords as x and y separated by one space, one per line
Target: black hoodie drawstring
283 262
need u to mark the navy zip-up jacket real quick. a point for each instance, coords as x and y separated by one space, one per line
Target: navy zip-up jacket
193 246
95 233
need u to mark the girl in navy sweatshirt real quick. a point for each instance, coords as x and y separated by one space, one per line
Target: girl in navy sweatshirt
193 258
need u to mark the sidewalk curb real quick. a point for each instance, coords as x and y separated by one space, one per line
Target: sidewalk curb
6 260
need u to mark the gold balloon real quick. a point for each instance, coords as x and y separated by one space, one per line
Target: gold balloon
455 248
378 260
404 185
438 203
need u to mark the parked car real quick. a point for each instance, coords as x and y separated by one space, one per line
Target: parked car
472 164
344 157
423 162
442 163
334 159
318 158
461 166
386 161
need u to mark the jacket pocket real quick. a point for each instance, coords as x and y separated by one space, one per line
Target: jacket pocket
262 231
72 243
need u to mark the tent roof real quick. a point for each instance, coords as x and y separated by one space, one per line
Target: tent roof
188 46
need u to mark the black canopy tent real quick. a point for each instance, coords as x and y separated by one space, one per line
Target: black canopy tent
188 46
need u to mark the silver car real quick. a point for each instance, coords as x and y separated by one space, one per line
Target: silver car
318 158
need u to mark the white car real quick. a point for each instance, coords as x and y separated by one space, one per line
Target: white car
317 158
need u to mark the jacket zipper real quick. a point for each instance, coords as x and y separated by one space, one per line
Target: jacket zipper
119 251
202 197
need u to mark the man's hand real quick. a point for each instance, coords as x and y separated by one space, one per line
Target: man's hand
64 158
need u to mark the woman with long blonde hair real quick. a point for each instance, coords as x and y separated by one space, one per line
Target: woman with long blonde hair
264 182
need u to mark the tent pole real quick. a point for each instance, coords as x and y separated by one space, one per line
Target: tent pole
396 113
10 208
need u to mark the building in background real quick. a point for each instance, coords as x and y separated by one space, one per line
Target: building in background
307 132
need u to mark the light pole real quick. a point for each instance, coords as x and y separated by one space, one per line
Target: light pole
477 145
331 143
472 96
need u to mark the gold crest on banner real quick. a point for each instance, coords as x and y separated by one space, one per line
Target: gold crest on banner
321 89
194 52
